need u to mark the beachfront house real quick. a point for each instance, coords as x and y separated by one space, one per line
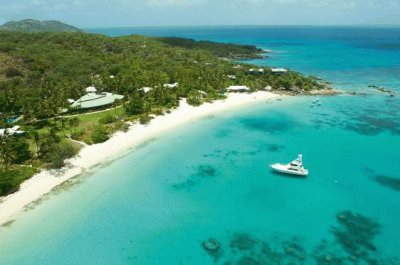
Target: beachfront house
238 89
146 89
11 131
279 71
93 99
174 85
256 71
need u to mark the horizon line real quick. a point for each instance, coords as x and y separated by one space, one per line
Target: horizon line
244 25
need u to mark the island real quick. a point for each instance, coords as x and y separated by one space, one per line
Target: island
67 92
32 25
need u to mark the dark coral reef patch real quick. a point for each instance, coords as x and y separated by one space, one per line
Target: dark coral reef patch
353 244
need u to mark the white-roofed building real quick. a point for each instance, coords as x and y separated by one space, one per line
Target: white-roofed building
91 89
279 70
174 85
11 131
146 89
238 89
96 100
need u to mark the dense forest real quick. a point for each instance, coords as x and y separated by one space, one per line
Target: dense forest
39 72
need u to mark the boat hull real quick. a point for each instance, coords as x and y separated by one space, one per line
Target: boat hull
284 169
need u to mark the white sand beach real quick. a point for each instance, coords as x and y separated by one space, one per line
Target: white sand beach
43 182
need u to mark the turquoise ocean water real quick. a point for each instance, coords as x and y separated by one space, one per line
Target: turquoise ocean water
162 200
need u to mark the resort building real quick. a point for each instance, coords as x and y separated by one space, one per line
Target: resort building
278 71
95 100
238 89
146 89
256 71
11 131
174 85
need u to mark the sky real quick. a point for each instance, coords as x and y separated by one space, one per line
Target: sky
136 13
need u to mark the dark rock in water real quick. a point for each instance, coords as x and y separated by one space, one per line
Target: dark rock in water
213 248
393 183
211 244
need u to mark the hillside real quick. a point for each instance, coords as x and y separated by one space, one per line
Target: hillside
223 50
40 71
31 25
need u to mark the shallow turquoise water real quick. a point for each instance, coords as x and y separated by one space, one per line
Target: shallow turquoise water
157 204
211 180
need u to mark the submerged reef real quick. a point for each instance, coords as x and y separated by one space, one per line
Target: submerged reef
355 234
362 120
393 183
274 123
232 156
201 172
275 148
352 244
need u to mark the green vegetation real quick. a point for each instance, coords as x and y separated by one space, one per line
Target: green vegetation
99 134
31 25
12 177
39 72
223 50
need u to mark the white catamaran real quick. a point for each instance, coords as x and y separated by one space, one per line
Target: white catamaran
293 168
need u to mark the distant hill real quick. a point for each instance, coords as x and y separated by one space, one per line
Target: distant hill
31 25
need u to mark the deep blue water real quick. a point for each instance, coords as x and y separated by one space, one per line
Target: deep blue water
162 200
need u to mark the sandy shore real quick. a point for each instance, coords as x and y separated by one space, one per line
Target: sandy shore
43 182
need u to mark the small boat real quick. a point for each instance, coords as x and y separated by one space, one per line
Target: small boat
293 168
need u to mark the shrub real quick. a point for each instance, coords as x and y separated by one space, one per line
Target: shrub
14 150
12 72
12 177
121 126
108 119
135 106
58 153
194 99
99 135
144 119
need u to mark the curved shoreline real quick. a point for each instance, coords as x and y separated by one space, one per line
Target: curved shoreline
45 181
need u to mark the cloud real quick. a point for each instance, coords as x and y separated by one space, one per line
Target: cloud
337 4
161 3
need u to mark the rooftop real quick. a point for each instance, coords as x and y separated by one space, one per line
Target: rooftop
11 131
238 88
93 100
279 70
